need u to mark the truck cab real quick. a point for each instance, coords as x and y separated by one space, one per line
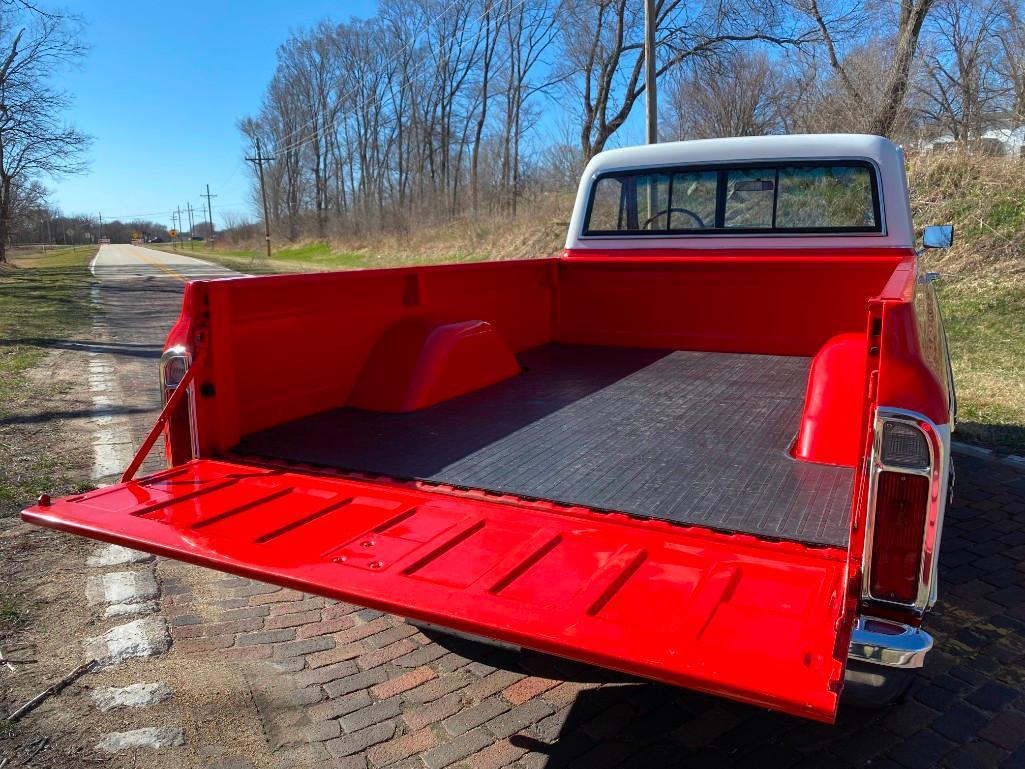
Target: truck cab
707 444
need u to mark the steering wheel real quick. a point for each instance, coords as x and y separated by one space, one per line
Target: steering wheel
666 211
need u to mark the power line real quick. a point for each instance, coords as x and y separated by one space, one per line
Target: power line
209 212
192 225
258 161
175 224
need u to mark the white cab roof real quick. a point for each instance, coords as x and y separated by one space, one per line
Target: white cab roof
884 155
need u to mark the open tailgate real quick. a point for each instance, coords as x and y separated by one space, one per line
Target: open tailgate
757 621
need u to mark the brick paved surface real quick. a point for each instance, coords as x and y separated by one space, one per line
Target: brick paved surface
342 686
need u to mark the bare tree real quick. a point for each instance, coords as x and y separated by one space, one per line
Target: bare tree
737 94
900 25
530 32
961 86
603 45
1011 61
34 139
817 100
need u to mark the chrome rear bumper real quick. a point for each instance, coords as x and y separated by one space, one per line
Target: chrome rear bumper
893 644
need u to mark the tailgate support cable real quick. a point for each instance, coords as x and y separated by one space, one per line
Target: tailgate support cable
165 414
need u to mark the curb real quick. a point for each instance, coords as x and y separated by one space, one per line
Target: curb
1010 460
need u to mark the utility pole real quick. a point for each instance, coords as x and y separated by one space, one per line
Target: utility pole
651 98
174 228
258 161
192 225
209 211
181 226
99 235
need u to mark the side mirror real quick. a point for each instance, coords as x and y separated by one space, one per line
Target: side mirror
938 236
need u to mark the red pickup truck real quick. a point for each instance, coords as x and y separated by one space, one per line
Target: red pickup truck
709 444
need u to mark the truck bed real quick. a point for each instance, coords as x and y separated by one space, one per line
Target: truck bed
694 438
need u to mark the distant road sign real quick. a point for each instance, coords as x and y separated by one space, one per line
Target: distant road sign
173 233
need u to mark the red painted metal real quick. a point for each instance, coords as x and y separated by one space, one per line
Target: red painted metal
775 303
830 429
762 622
423 361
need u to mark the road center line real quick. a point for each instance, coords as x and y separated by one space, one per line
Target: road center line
159 265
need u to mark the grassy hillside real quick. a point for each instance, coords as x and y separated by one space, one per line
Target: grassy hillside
982 292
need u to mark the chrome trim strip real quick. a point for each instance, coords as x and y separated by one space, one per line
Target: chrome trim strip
180 351
938 440
905 647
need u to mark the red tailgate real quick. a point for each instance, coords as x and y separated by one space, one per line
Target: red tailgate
756 621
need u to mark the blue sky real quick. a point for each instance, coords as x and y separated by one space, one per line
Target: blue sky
160 92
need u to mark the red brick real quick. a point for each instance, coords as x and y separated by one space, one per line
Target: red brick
362 631
704 729
252 589
325 626
1007 730
425 715
439 687
337 654
248 653
291 620
402 747
373 659
246 612
234 626
267 637
567 692
496 755
403 683
334 611
278 596
186 631
491 684
174 606
306 604
528 688
194 645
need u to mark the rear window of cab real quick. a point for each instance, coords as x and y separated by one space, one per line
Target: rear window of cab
792 197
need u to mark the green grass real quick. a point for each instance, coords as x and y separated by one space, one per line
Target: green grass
44 300
985 321
311 257
8 613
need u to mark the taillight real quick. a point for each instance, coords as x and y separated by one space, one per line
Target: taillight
904 445
902 502
173 368
179 437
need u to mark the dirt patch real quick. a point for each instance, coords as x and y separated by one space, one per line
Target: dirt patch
43 615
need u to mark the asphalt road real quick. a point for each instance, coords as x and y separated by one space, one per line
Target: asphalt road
122 262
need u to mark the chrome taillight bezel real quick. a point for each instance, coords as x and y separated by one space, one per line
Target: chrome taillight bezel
181 352
937 438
